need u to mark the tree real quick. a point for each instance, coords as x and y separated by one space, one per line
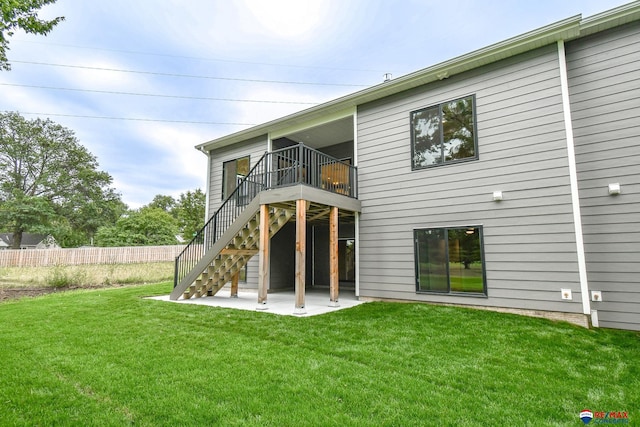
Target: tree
80 219
144 227
49 181
166 203
22 14
190 210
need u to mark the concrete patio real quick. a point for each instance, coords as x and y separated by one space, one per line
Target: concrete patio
282 303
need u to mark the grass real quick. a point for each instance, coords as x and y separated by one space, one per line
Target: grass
112 358
85 275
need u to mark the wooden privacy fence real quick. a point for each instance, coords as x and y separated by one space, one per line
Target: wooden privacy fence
77 256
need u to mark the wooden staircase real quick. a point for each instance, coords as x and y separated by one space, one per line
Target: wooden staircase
230 237
229 260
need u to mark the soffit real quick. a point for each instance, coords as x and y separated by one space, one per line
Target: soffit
327 134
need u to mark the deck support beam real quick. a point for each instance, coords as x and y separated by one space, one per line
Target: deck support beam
234 285
301 243
264 261
334 279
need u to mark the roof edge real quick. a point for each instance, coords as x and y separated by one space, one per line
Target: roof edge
610 18
566 29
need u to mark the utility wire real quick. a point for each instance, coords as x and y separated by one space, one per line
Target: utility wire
158 95
186 75
135 119
200 58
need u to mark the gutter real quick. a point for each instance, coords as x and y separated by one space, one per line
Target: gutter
611 18
208 186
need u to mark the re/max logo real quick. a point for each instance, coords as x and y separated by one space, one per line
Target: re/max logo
612 414
610 417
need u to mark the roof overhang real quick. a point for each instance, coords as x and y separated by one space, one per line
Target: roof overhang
611 18
566 29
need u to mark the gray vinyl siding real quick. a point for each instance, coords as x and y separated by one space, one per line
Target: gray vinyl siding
529 237
604 80
255 148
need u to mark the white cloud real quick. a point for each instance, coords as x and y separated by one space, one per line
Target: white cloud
177 146
285 19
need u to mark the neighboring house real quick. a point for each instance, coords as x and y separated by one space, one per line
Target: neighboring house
506 179
29 241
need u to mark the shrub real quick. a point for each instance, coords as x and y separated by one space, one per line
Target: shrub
62 277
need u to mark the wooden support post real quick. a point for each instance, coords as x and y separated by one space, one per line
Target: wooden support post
263 264
301 243
234 285
334 278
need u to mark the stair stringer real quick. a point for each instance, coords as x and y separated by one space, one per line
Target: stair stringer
216 268
250 212
235 256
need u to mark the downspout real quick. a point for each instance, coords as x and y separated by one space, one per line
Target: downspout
357 248
357 214
208 185
573 179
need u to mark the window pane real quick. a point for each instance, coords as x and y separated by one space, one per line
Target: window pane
347 260
242 276
465 260
432 260
457 125
228 178
232 173
243 167
427 144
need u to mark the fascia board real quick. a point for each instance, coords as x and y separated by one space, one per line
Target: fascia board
611 18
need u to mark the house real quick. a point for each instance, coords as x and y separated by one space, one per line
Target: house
29 241
504 179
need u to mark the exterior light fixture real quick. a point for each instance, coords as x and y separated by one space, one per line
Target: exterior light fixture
497 196
614 188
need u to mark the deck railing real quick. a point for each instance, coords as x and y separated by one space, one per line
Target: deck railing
281 168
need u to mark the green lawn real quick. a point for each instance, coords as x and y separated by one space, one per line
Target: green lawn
111 358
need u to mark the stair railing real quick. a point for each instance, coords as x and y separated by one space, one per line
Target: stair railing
280 168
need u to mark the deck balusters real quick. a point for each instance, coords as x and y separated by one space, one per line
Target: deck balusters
293 165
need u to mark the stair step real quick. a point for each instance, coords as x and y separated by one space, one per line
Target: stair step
243 246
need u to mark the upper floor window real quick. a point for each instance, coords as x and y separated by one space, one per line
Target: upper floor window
232 173
444 133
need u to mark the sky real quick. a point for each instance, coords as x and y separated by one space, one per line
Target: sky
141 82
